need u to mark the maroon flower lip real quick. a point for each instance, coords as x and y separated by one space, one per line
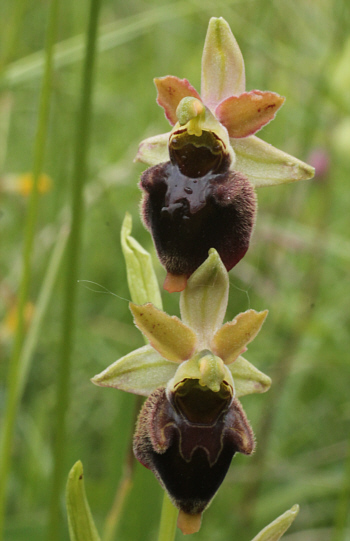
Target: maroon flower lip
187 215
190 459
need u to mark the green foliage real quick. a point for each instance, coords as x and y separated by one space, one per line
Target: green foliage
297 265
142 281
80 522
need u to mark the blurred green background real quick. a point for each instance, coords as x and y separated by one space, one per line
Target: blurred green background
297 266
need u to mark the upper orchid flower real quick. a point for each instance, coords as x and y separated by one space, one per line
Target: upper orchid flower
192 423
199 194
223 87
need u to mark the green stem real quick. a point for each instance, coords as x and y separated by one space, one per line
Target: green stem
12 29
41 307
13 389
125 484
343 505
167 526
71 272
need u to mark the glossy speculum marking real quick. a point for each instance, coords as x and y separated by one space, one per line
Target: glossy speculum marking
195 202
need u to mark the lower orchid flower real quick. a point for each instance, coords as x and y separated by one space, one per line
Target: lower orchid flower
187 437
199 193
192 422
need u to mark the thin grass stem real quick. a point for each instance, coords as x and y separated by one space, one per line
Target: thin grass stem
12 28
42 305
343 505
71 271
13 392
124 487
167 525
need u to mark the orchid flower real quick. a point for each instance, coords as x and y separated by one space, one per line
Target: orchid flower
192 371
199 191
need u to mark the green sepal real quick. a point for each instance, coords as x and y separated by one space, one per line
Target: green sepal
154 150
80 522
142 280
203 302
247 378
275 530
140 372
265 165
205 367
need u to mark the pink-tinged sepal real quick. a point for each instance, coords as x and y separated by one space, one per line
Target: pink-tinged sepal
171 90
246 114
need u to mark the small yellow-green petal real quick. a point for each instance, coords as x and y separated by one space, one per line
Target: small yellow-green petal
275 530
154 150
204 300
265 165
167 334
80 522
223 72
231 340
247 378
142 280
140 372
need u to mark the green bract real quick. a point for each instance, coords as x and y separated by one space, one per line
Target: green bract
198 347
80 522
142 281
275 530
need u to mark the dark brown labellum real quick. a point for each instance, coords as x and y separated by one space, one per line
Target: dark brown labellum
208 206
189 459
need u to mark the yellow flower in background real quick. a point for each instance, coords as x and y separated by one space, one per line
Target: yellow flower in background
10 322
23 183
